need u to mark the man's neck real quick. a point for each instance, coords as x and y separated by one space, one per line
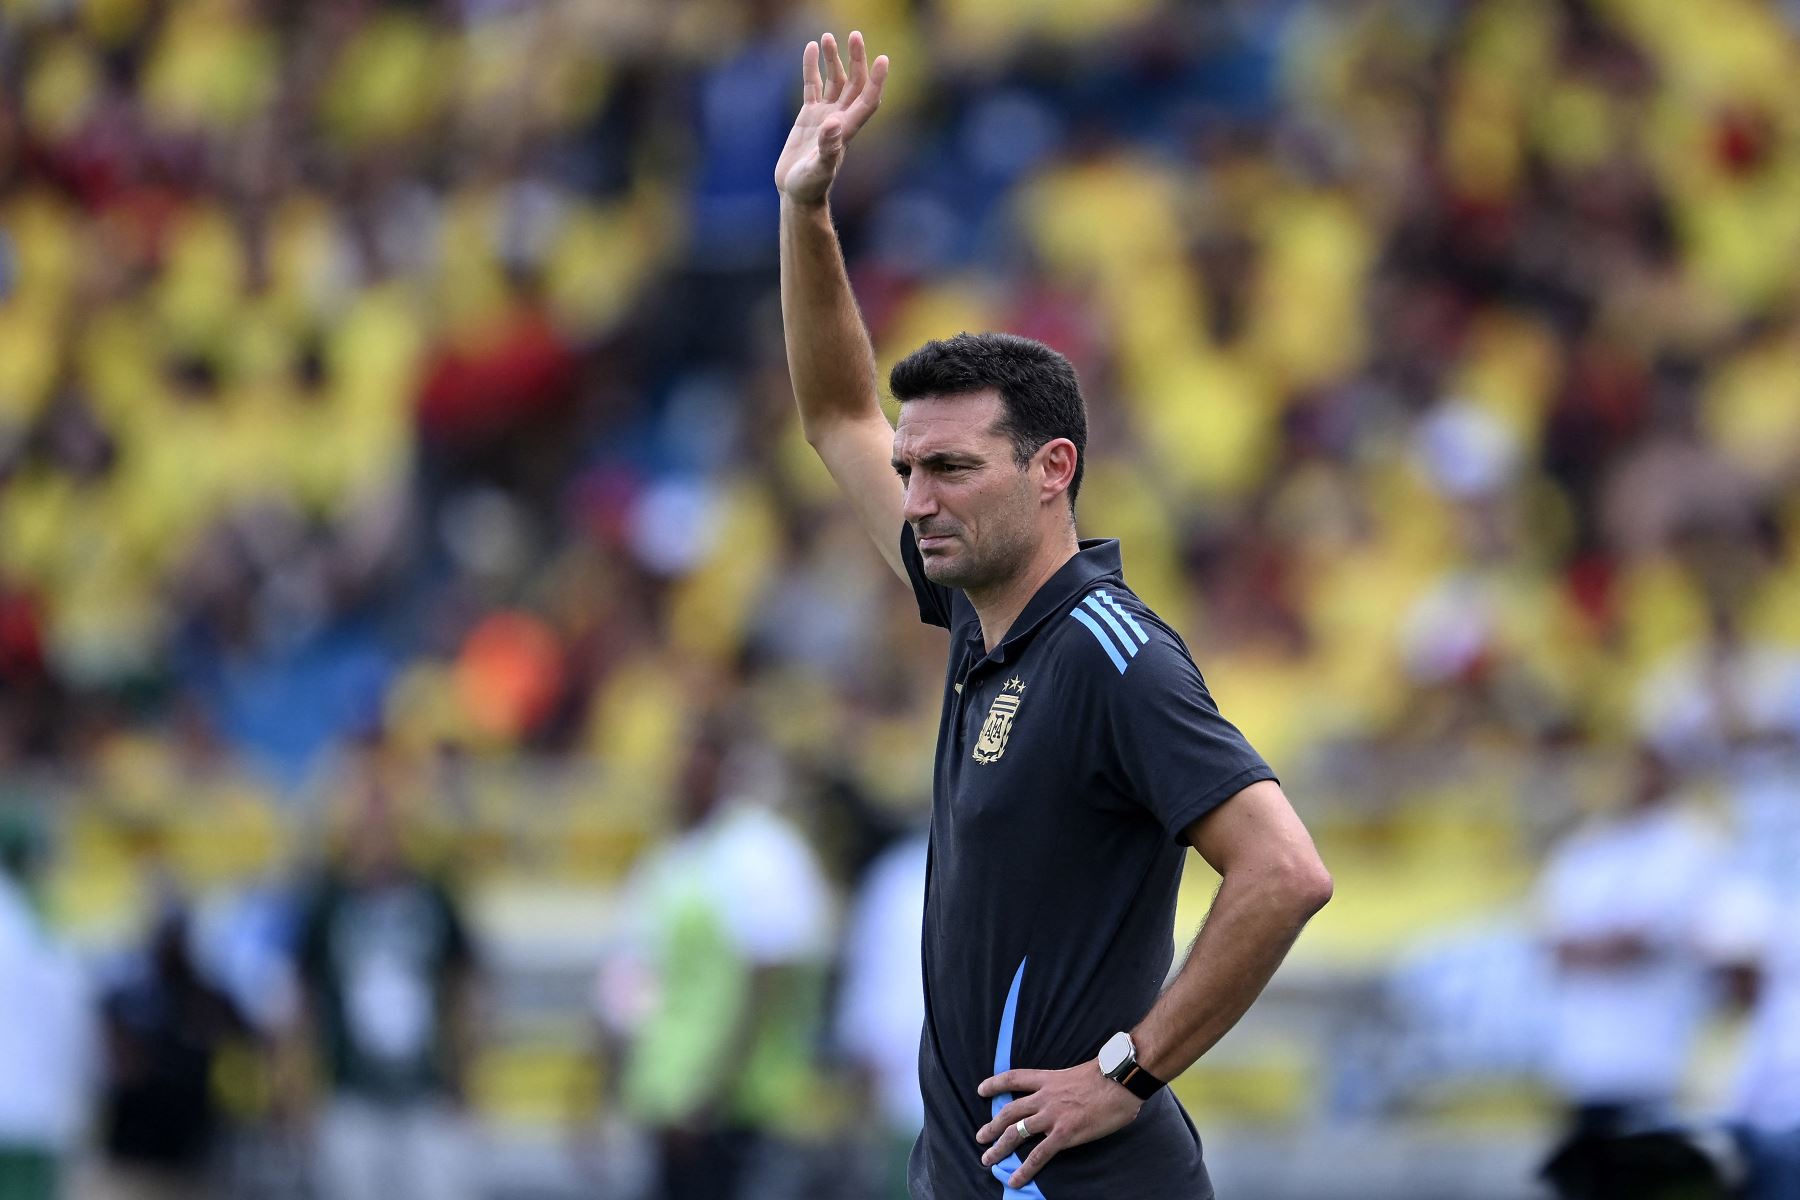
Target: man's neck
999 607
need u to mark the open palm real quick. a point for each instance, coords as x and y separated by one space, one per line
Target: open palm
837 104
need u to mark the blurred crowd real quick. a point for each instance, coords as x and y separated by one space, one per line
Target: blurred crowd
416 365
403 380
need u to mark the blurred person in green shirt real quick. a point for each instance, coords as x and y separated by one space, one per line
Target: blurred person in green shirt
714 989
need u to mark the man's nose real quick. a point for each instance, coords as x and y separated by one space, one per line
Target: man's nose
919 502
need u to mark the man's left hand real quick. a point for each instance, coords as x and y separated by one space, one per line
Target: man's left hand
1059 1108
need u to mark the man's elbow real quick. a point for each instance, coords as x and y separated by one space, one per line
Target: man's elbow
1305 885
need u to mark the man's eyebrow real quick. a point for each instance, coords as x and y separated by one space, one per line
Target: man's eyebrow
938 459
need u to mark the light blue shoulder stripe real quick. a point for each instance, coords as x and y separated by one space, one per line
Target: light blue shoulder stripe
1125 616
1131 647
1003 1170
1100 636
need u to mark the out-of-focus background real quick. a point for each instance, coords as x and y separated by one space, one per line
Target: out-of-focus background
454 742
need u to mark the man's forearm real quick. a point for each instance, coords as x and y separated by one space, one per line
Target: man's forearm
1252 925
830 359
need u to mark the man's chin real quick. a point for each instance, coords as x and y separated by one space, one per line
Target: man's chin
945 571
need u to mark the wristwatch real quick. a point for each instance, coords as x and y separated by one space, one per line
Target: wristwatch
1118 1062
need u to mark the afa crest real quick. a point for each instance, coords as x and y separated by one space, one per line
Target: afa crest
995 730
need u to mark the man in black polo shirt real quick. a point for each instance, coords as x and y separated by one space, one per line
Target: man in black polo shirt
1079 751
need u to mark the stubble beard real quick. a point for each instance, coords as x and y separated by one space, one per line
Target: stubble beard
980 570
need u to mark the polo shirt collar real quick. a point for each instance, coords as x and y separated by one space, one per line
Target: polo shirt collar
1096 559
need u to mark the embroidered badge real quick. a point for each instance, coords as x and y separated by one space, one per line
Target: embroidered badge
994 731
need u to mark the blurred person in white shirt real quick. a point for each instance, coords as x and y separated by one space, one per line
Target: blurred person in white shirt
1751 930
48 1040
1753 933
1620 899
881 1006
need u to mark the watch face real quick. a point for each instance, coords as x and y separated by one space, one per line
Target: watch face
1118 1048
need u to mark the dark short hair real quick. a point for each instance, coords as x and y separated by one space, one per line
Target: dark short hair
1039 394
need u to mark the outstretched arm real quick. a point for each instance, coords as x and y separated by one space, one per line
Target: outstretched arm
830 359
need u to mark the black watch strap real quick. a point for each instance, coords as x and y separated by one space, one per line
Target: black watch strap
1140 1082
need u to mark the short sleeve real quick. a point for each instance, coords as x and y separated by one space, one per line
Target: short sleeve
934 599
1174 752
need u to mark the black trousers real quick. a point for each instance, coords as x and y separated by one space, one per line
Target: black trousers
706 1165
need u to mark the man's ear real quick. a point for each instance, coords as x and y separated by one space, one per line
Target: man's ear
1057 457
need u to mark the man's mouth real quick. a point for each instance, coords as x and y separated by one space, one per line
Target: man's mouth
929 540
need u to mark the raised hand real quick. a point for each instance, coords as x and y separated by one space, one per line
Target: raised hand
837 104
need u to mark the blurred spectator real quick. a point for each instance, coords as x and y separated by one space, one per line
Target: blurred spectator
48 1047
881 1009
1752 930
386 968
1620 900
715 987
168 1029
1667 1163
1766 1103
1464 1006
1447 351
